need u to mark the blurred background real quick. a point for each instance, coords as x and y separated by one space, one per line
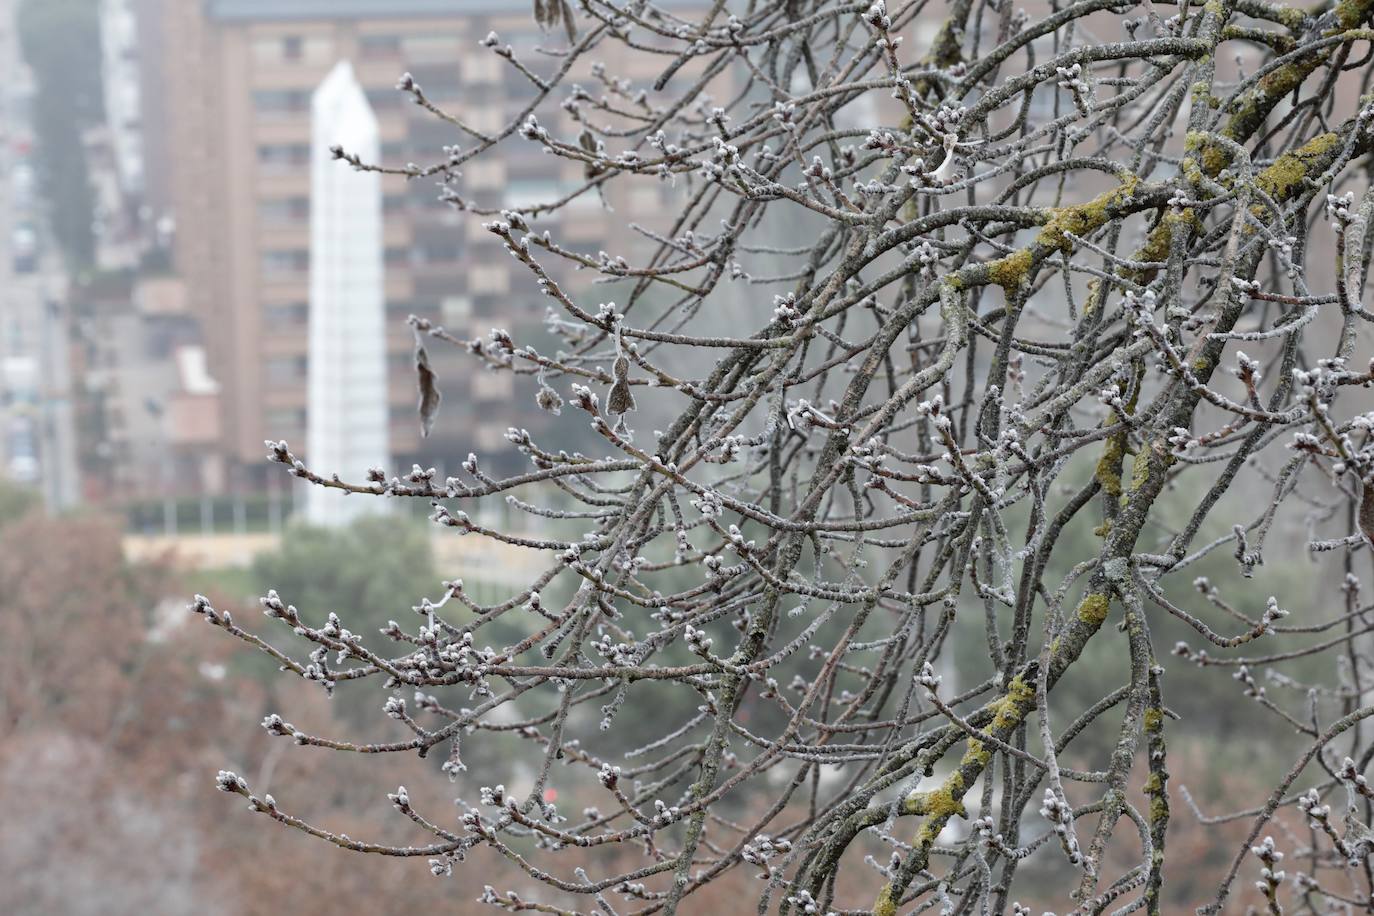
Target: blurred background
155 292
155 286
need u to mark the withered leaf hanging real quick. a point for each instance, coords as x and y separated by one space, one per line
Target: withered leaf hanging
620 400
569 27
549 13
428 383
588 142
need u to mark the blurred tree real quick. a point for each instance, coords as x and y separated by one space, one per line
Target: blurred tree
365 571
16 501
368 573
70 639
112 707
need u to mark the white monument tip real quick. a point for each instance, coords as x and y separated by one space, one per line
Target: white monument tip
340 103
347 421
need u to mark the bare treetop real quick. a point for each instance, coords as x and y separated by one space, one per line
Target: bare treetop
943 341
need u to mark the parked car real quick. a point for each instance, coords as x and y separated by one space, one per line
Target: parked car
24 248
21 448
22 184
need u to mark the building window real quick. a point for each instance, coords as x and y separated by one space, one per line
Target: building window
278 102
439 82
489 306
489 278
456 309
285 262
411 306
492 386
283 157
484 174
397 257
426 200
529 192
384 99
379 47
424 197
523 43
285 418
282 317
489 119
481 69
285 370
291 49
436 251
284 211
431 49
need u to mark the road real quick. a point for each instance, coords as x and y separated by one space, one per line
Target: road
37 426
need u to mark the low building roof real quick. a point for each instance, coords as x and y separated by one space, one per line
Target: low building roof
256 10
282 10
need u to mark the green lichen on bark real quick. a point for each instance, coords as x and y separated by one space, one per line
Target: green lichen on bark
1011 708
1350 13
945 802
1081 219
1109 465
1108 470
1287 16
939 802
1010 272
977 753
1276 40
1156 246
1140 469
1248 112
1283 177
1154 789
1093 608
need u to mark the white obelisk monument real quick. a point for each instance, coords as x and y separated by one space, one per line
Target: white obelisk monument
347 411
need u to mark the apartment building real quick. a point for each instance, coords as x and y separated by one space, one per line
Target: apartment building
227 124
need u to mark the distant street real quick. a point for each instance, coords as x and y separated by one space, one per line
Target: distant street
37 436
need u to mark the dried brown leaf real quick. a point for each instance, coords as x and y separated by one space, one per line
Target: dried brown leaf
569 26
543 10
620 400
428 384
